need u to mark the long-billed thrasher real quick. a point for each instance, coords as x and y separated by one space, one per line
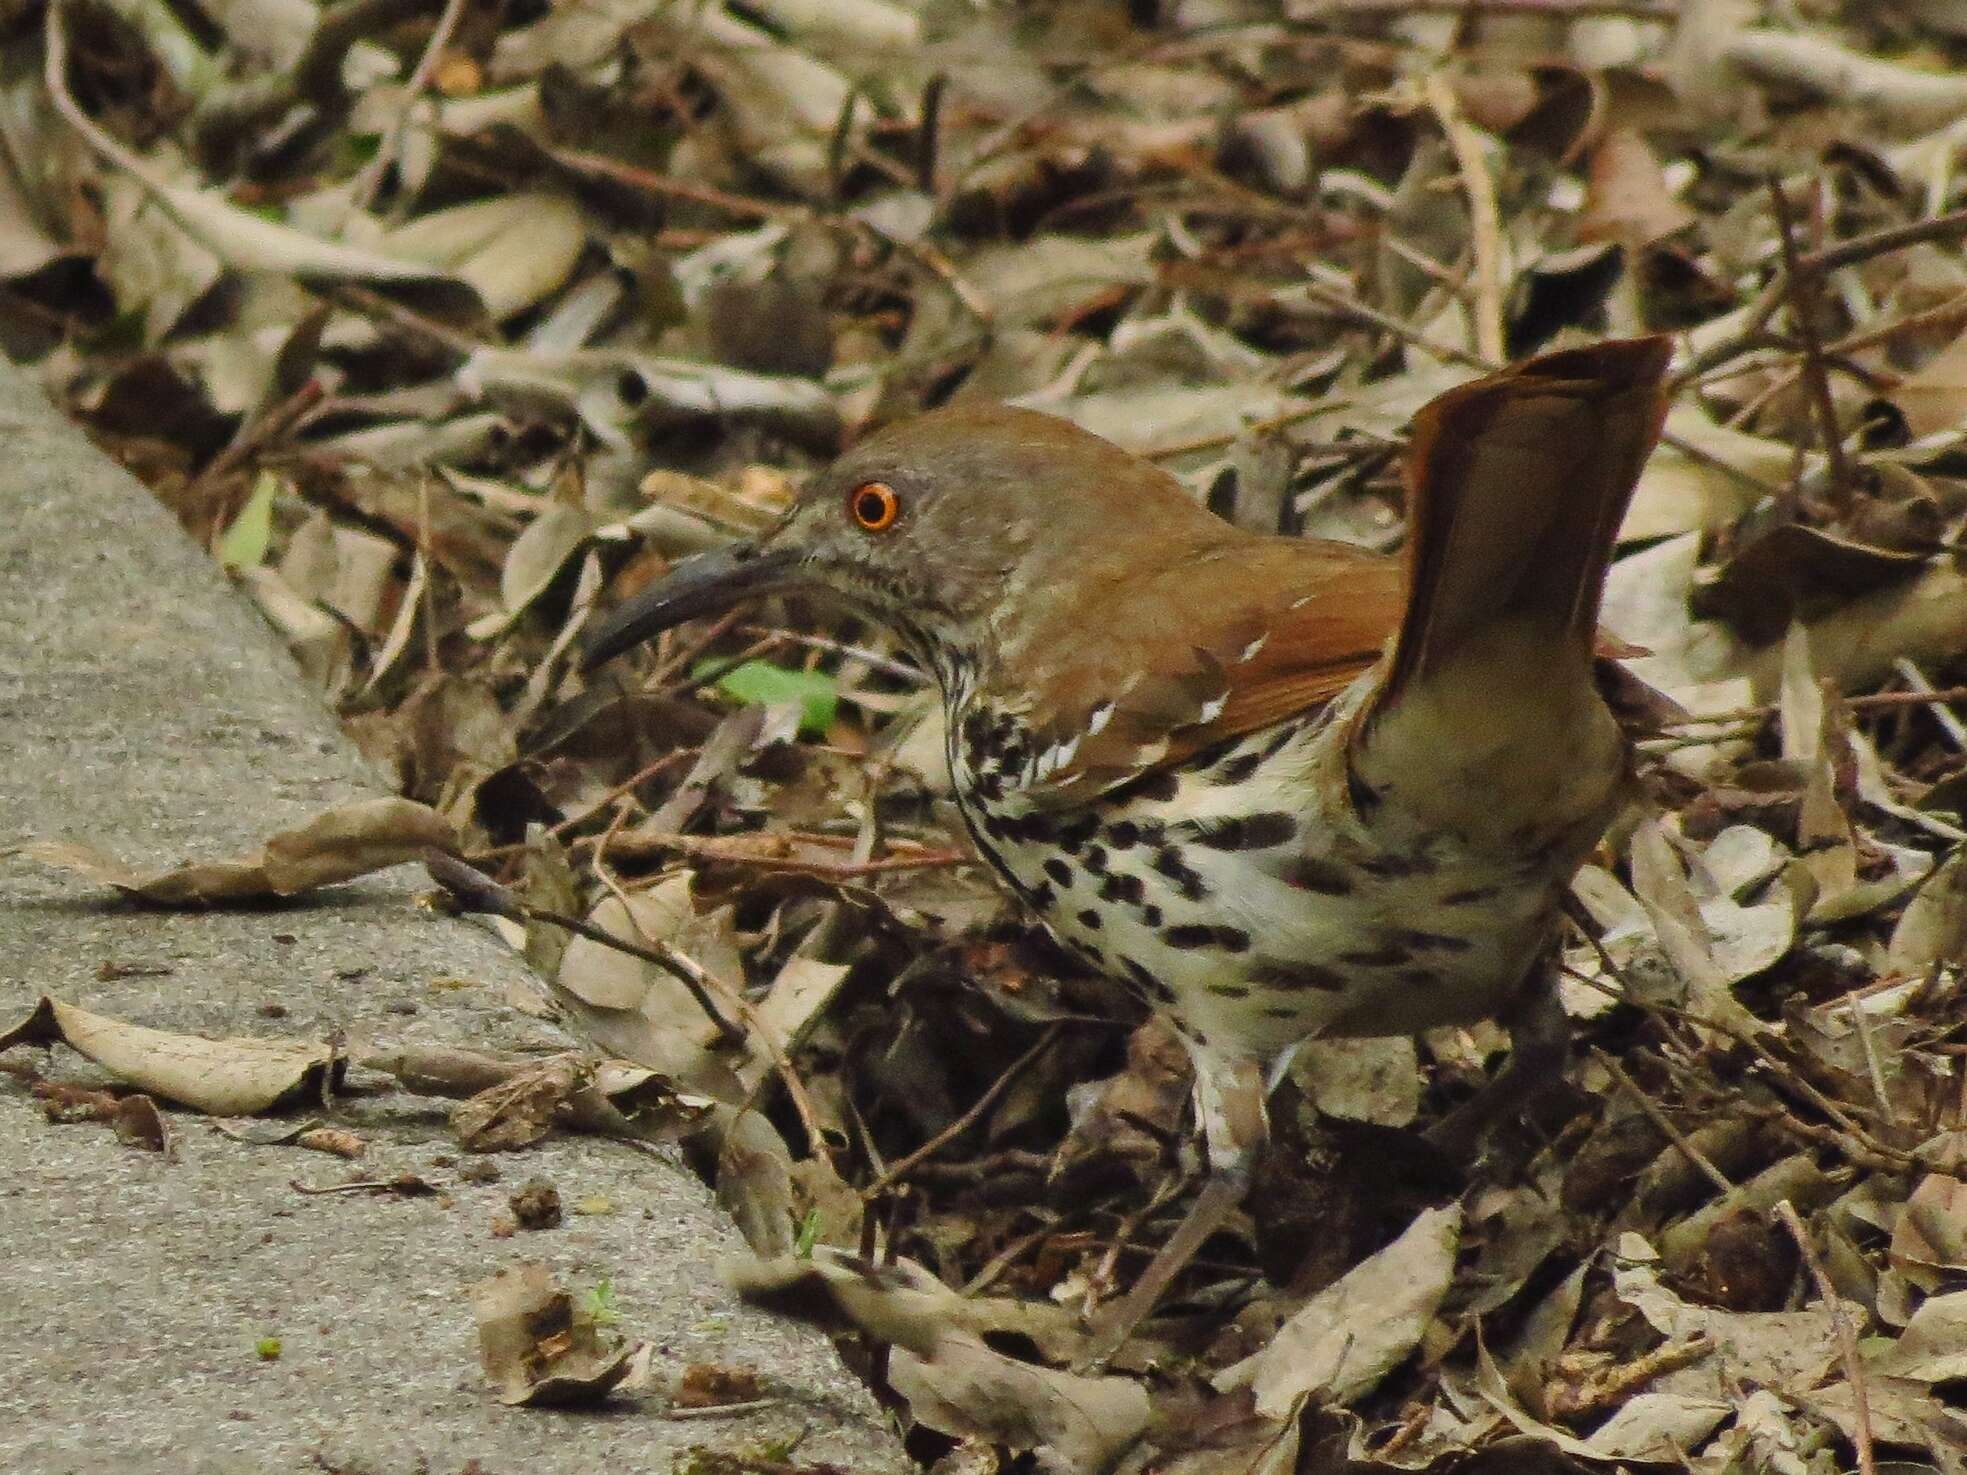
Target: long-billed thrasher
1281 787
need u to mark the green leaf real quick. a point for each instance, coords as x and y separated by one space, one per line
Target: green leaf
762 682
808 1235
244 544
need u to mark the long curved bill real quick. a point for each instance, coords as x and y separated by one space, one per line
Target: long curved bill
707 584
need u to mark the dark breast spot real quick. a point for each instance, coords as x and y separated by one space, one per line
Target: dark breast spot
1090 919
1386 956
1473 896
1153 987
1151 915
1094 860
1294 977
1389 866
1075 832
1245 831
1118 887
1236 770
1168 861
1155 788
1059 871
1189 935
1229 991
1313 873
1421 942
1365 798
1123 834
1285 732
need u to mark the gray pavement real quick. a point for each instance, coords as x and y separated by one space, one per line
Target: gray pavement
146 710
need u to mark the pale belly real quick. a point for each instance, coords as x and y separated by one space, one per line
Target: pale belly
1255 923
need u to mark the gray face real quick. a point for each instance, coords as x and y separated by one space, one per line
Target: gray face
921 527
927 528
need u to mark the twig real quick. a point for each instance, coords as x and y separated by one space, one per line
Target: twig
362 188
1755 317
734 850
1847 1338
887 665
1876 699
476 892
1657 10
269 426
1878 242
1658 1118
1617 1382
615 171
574 821
1485 222
1803 288
899 1169
795 1088
1916 679
1345 306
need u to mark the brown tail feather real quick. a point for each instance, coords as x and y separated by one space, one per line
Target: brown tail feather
1517 485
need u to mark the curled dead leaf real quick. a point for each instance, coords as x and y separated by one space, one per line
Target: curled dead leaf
230 1077
337 845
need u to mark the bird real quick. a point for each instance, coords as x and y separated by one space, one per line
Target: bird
1279 787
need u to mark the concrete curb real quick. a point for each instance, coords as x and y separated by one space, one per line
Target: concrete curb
146 709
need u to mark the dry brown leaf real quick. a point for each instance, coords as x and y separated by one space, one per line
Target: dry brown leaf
1353 1334
338 844
230 1077
539 1351
1627 198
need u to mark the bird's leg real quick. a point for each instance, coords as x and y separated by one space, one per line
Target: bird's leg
1229 1098
1539 1040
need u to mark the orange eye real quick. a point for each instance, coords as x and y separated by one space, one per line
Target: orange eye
874 505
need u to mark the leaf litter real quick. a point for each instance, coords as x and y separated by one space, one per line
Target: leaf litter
444 333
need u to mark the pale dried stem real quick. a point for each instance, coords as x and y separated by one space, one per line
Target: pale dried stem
1847 1338
1802 289
362 188
692 972
1485 220
1658 1118
901 1168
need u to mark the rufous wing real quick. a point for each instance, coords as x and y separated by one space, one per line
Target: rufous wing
1256 630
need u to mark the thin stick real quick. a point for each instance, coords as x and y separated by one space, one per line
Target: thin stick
1878 242
1658 1118
593 811
1803 289
362 188
1876 699
476 892
1485 222
1847 1338
707 847
899 1169
795 1088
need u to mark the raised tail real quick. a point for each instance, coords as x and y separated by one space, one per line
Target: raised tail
1488 710
1517 484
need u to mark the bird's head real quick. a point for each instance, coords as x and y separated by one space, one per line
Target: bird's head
932 527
